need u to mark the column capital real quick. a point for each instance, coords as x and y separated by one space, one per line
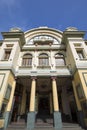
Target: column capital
15 77
53 77
33 77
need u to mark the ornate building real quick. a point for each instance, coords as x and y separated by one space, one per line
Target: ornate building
43 75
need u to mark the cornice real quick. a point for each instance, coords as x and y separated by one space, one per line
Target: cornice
20 35
43 28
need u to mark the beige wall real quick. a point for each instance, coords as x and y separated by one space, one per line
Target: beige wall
6 78
3 84
83 79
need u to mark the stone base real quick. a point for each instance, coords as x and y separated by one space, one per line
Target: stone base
1 128
80 118
57 121
7 119
30 120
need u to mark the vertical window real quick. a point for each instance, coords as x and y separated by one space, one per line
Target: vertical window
7 54
3 109
80 54
59 60
27 60
43 60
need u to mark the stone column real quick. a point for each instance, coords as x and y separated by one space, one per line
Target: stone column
55 95
23 103
31 114
57 114
9 106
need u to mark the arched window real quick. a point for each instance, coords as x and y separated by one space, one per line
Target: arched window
43 60
27 60
59 60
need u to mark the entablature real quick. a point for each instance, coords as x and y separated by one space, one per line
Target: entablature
46 47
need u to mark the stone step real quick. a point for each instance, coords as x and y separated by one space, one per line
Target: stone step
17 126
71 126
44 129
43 126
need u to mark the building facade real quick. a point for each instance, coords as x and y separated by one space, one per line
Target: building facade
43 74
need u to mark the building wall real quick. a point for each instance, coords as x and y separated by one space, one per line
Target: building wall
6 79
66 43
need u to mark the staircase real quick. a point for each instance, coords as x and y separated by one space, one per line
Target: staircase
66 126
45 124
21 125
43 121
71 126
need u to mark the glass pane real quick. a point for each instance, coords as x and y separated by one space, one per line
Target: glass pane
43 62
7 55
27 62
80 54
60 62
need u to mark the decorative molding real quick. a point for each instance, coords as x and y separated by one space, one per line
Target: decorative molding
33 77
53 77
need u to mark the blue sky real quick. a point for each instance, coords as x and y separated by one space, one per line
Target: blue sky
28 14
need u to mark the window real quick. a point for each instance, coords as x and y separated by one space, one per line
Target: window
8 92
80 54
7 54
27 60
3 109
43 60
80 92
59 60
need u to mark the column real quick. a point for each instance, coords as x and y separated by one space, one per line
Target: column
23 103
55 95
57 114
8 113
80 114
31 114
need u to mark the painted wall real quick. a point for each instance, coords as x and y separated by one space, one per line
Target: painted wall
80 78
6 77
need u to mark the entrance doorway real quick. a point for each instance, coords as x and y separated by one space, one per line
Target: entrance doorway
44 117
43 106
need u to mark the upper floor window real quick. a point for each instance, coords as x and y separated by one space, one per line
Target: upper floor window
27 60
7 54
43 60
80 54
59 60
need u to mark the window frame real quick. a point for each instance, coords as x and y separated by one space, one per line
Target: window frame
27 60
43 59
58 58
80 54
7 55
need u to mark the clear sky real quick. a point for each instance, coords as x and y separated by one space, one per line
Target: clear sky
28 14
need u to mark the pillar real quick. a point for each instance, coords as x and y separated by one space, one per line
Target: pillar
57 114
8 113
31 114
23 103
80 114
